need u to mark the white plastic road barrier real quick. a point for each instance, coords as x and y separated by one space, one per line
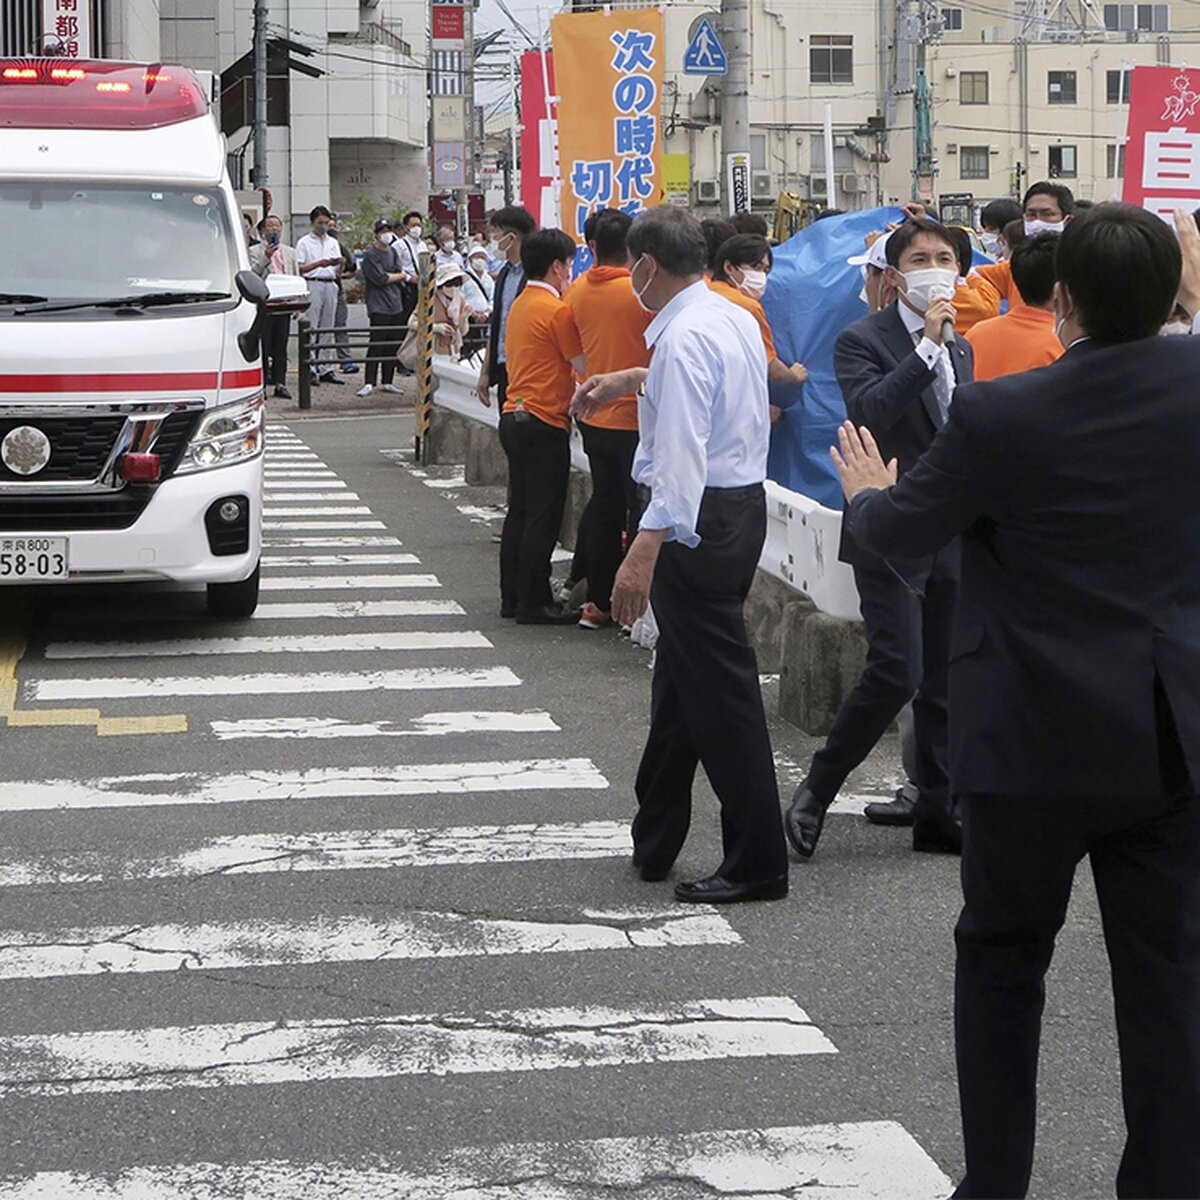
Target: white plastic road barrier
802 535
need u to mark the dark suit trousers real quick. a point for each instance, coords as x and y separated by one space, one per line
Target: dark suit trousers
539 467
275 349
613 506
706 702
1019 860
908 652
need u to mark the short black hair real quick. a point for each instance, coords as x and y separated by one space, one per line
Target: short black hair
750 222
1059 192
743 250
513 218
319 211
902 237
717 232
543 248
997 213
1033 268
610 232
589 225
1014 234
408 216
963 248
1121 266
673 237
1084 205
269 217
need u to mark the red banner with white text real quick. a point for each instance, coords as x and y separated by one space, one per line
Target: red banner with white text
1162 155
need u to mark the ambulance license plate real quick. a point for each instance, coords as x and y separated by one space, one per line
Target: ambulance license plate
29 560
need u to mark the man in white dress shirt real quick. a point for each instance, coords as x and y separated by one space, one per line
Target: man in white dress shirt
702 458
319 260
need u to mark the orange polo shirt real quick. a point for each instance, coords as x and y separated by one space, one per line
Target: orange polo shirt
972 306
995 282
1020 340
539 342
611 327
753 307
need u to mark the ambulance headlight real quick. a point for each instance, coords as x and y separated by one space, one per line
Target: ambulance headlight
230 434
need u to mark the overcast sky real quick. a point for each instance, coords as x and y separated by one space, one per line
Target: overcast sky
490 17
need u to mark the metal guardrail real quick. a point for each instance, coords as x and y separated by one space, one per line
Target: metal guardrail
802 535
306 336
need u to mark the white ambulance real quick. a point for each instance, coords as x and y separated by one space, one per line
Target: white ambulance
131 383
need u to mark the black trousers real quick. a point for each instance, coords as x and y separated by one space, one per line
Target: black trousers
539 465
614 506
275 349
908 652
1019 860
387 332
706 702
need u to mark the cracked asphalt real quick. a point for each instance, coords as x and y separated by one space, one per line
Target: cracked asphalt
862 944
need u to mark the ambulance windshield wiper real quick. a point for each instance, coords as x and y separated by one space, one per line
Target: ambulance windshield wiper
148 300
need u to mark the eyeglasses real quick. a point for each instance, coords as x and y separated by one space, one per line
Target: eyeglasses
1049 213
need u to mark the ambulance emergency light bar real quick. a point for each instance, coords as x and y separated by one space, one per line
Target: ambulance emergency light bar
56 93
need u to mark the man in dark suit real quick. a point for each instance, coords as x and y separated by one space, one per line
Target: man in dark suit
509 227
898 373
1074 689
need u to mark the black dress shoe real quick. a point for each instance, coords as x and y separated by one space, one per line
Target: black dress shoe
804 821
332 378
893 812
716 889
546 616
937 837
282 393
646 873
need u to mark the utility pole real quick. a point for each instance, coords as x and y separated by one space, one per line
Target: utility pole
735 88
923 168
258 173
514 127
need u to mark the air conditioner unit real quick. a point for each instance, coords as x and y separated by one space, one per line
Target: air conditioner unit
951 147
762 185
951 72
852 184
708 191
816 187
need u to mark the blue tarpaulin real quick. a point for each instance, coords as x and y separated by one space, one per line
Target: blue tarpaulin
812 296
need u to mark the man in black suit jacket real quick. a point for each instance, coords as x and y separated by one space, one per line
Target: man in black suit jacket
510 227
1074 691
898 373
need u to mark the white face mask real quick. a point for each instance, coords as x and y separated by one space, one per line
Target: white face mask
864 297
414 232
387 237
991 244
930 284
1176 329
1032 227
639 292
754 282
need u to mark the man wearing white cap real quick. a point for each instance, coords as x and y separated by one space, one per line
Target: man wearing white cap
877 292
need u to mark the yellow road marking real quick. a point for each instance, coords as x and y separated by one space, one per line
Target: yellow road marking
12 650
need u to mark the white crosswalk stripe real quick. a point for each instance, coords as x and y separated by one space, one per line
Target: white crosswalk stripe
322 783
866 1160
249 1053
319 583
467 639
278 561
270 526
323 850
351 609
439 724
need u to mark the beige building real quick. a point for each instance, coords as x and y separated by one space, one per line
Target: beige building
1021 99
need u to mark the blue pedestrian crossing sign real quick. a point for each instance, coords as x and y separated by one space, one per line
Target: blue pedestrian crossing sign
705 55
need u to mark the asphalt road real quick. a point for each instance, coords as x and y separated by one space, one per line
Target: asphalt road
367 927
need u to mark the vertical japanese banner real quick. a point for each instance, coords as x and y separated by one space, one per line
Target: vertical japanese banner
537 139
1162 155
609 68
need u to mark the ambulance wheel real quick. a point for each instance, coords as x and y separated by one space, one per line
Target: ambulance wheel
234 599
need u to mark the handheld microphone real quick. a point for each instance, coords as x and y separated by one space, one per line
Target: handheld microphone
945 293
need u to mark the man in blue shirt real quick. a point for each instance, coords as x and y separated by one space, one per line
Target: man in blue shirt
702 457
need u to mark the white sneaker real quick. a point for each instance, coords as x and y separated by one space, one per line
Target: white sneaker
389 387
366 389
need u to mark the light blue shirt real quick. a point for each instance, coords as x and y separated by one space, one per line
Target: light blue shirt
704 418
512 285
